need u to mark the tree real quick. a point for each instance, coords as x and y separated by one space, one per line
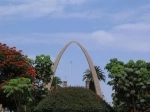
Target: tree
43 68
20 90
131 84
73 99
13 64
88 76
56 82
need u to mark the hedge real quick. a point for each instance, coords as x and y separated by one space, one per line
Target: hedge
73 99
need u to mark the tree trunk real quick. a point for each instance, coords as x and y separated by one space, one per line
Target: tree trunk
25 108
18 107
134 107
92 86
0 107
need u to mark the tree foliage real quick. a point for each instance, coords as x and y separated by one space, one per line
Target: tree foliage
43 67
56 82
131 84
13 64
21 90
73 99
88 76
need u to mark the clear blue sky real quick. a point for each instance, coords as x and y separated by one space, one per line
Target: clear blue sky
106 28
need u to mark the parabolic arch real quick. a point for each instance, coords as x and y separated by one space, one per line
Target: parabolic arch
95 78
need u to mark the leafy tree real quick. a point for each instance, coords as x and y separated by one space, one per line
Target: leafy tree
88 76
13 64
73 99
56 82
21 90
131 84
43 68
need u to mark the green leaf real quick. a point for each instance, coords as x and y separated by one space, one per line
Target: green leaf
148 83
142 100
143 87
125 89
127 95
135 79
139 79
132 92
126 84
131 84
30 100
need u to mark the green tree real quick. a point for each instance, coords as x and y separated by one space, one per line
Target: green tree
131 84
20 90
13 64
43 68
88 76
56 82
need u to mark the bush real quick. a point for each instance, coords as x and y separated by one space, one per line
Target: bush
73 99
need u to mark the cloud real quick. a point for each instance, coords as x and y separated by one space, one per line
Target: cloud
35 8
134 27
72 2
30 8
131 37
88 14
137 14
59 38
102 37
60 9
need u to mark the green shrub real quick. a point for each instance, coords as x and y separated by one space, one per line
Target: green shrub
73 99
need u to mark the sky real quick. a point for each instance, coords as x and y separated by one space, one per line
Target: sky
106 29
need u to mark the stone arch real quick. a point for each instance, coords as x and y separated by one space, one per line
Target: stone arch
95 78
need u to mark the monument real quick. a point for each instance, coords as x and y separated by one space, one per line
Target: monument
91 65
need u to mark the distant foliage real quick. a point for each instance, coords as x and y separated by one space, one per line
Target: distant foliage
131 84
88 77
88 74
73 99
56 83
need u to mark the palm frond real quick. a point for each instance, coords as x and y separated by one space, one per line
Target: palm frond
100 74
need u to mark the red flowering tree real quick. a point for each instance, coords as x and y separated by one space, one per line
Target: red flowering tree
13 64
